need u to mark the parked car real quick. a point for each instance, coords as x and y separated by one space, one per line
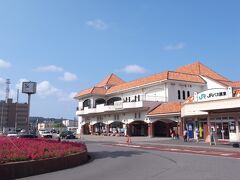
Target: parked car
12 134
46 134
27 136
67 135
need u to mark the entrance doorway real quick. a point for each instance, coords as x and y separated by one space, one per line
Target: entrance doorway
139 128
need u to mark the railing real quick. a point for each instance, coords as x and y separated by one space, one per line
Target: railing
118 105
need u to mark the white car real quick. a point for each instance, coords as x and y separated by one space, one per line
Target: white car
46 134
12 134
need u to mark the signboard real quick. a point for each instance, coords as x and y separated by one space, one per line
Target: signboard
29 87
213 94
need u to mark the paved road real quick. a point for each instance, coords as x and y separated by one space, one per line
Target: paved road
124 163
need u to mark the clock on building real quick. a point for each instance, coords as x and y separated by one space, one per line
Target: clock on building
29 87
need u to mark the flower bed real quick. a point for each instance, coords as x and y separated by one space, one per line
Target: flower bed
21 149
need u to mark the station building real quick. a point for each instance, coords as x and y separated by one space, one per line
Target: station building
159 104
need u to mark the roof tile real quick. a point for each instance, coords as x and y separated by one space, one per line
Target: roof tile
164 108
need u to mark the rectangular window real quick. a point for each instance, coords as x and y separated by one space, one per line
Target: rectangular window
188 93
183 95
116 116
179 94
138 97
139 115
135 115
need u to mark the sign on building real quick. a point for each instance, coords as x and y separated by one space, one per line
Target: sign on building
213 94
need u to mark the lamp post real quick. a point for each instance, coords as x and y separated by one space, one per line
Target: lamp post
29 88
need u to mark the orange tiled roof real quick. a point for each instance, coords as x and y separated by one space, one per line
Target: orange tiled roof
138 82
234 84
185 77
164 108
198 68
188 73
168 75
93 90
111 79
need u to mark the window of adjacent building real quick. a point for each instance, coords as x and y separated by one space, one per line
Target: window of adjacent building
179 94
138 97
129 99
183 95
135 98
116 116
188 93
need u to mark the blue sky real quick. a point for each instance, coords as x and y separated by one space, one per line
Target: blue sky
69 45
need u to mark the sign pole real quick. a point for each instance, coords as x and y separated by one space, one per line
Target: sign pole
28 114
29 88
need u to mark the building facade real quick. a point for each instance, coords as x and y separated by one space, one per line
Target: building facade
150 106
13 115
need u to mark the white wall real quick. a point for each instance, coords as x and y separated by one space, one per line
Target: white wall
211 84
175 86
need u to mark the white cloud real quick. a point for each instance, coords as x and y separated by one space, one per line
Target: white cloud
72 95
2 80
133 69
97 24
49 68
4 64
19 84
69 76
45 88
66 97
177 46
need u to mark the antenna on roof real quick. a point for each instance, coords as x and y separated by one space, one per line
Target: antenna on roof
7 89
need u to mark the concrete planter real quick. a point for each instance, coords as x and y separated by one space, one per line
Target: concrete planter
29 168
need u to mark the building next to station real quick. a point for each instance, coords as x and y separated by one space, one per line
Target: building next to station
13 116
191 97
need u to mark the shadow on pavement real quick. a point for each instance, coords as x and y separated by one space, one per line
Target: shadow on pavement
114 154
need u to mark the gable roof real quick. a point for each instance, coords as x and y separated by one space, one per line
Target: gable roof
111 79
101 88
189 73
168 75
165 108
198 68
234 84
93 90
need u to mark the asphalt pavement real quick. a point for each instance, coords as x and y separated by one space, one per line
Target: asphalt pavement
112 162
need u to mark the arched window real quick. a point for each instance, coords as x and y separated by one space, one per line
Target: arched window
112 100
188 93
100 101
87 103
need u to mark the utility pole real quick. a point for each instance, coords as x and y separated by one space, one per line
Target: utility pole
7 89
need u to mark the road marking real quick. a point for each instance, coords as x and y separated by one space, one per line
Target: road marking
226 154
